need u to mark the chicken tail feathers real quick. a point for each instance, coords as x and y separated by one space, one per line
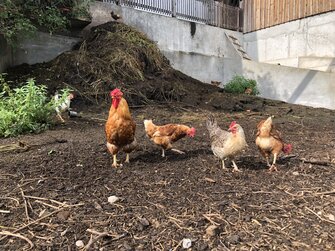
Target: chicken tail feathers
287 148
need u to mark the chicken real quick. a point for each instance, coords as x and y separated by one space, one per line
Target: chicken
226 144
269 142
165 135
115 16
63 107
120 127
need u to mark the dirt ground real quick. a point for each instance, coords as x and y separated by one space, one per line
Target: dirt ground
54 192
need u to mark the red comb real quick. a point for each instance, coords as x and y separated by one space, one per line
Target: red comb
232 124
287 148
116 92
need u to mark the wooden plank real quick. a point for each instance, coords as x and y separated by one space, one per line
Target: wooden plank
258 14
272 12
288 10
262 8
320 5
267 14
301 8
332 7
253 11
297 8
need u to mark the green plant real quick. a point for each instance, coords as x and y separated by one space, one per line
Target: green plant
26 109
19 17
240 84
13 22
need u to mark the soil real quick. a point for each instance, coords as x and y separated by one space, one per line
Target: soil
54 192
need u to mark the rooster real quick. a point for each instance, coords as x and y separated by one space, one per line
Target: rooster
64 106
120 127
165 135
226 144
269 142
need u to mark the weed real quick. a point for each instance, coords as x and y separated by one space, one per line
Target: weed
26 109
240 84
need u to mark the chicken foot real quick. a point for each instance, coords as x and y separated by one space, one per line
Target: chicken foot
235 167
223 166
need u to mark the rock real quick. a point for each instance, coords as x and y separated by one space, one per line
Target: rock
247 218
144 222
295 173
127 247
63 215
112 199
97 206
80 244
212 231
233 239
331 217
186 243
203 247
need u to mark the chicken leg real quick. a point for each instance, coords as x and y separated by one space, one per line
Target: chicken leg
223 165
61 118
115 165
127 158
273 167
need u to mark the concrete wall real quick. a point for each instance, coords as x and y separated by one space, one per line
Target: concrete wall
312 38
292 85
43 47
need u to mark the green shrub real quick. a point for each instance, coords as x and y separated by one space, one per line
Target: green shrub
240 84
26 109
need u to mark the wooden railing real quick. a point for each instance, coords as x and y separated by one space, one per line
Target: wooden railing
259 14
202 11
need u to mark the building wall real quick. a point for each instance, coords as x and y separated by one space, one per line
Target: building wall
307 40
260 14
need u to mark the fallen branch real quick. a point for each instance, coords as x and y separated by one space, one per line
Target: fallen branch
326 193
6 233
99 236
317 162
94 240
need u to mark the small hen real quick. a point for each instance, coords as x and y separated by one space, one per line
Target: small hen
269 141
120 127
165 135
64 106
226 144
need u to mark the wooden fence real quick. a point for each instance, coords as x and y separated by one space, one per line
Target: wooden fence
202 11
259 14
